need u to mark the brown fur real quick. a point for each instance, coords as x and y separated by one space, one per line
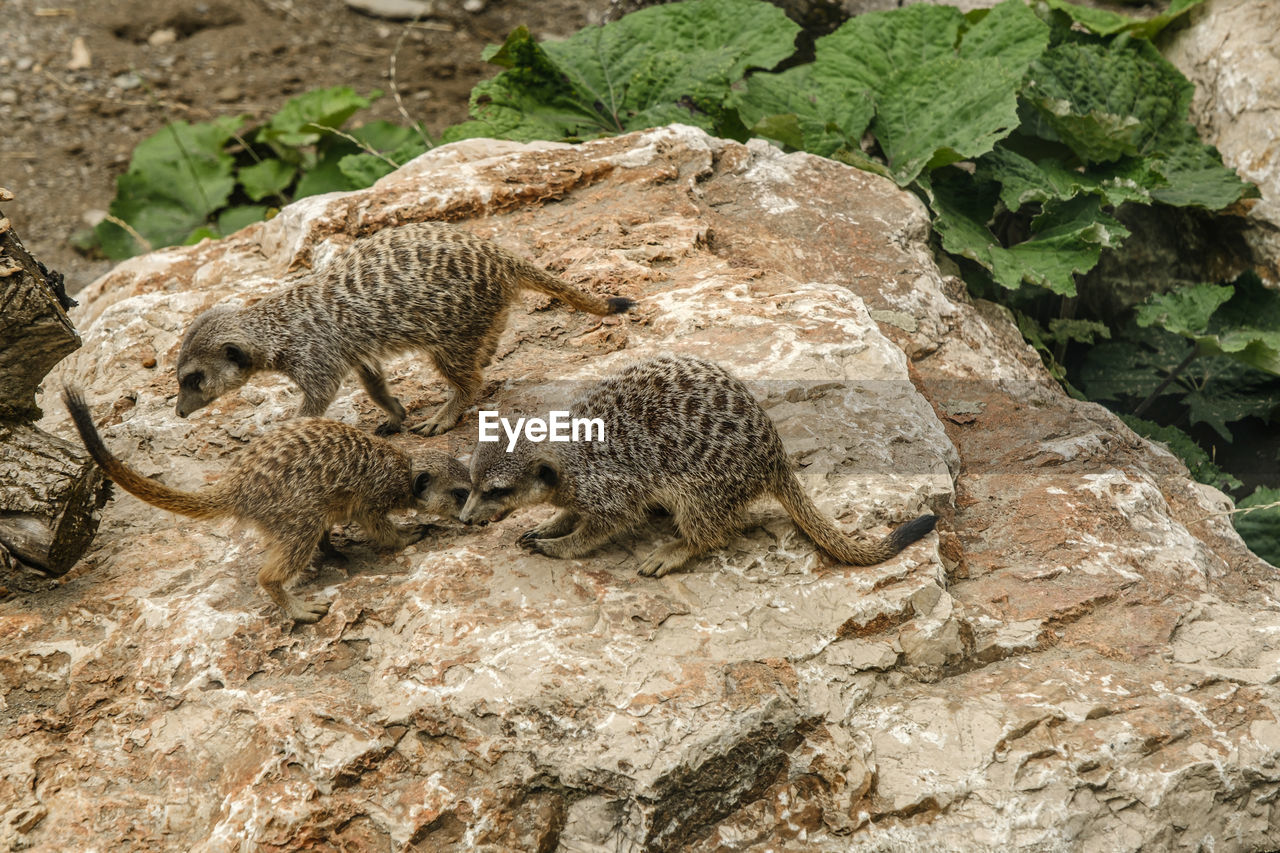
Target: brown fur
293 484
681 434
427 287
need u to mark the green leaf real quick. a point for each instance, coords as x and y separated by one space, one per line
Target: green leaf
1192 174
326 177
1023 181
176 179
233 219
302 120
1245 328
267 177
935 104
1222 398
1064 330
924 122
1260 529
393 143
1109 102
1182 446
1009 32
1067 237
1184 312
803 111
663 64
1104 23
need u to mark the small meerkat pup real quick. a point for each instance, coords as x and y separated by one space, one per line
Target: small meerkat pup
293 484
681 434
425 286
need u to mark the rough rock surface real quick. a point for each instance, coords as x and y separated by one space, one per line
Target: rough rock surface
1228 49
1082 659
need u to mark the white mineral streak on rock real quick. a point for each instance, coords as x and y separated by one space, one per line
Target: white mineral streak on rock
1085 659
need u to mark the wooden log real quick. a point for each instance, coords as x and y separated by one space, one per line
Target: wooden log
35 333
50 490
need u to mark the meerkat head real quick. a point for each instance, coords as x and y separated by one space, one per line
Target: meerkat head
502 481
441 484
216 357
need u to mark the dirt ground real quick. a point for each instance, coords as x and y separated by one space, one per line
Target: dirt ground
68 132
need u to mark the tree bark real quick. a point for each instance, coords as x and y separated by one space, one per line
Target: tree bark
49 488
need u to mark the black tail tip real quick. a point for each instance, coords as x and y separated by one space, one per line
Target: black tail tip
72 398
619 304
916 528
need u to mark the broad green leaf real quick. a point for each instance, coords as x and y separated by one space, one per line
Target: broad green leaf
1023 181
232 219
393 143
1104 23
1109 102
869 51
176 179
326 177
1181 445
939 98
1217 403
1260 529
1009 32
1184 312
266 177
922 121
1193 175
1130 369
303 120
1064 330
1068 237
663 64
803 111
1247 328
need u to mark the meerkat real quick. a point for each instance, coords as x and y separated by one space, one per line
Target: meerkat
293 484
680 434
426 286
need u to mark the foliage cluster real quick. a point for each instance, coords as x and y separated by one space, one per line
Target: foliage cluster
1023 127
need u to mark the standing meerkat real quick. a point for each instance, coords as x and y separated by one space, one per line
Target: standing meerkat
680 433
425 286
293 484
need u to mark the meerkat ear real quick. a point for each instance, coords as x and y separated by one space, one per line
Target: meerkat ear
421 483
236 356
547 473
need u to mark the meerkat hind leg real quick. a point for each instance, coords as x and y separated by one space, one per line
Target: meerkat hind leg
464 380
286 558
375 385
702 528
328 551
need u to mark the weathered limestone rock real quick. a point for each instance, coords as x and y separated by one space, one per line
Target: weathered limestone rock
1228 49
1081 660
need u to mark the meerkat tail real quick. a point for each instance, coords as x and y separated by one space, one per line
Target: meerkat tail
833 541
535 278
191 504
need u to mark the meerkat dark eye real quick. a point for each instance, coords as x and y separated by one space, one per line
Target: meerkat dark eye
192 381
460 496
496 494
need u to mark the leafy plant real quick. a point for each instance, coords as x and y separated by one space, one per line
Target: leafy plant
191 181
1181 445
664 64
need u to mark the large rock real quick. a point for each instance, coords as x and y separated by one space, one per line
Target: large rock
1082 659
1228 49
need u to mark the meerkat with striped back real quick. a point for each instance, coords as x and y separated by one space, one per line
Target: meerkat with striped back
426 287
293 484
680 434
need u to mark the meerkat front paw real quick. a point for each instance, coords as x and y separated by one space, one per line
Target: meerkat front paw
387 428
529 539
